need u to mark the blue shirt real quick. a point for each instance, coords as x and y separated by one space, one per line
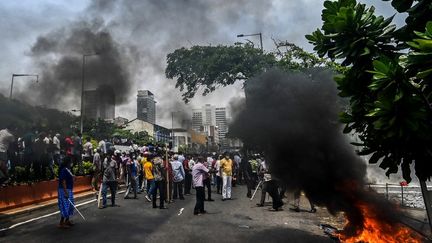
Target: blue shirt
66 175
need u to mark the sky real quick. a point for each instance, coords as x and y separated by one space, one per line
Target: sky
37 37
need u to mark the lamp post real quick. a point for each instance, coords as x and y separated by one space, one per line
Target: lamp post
260 36
82 88
21 75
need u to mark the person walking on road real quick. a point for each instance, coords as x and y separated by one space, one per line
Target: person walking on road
199 173
65 194
148 172
97 170
178 178
159 173
132 177
227 169
109 181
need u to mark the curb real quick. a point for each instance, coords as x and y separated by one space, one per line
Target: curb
13 214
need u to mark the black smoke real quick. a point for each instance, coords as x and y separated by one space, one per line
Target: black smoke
59 57
292 117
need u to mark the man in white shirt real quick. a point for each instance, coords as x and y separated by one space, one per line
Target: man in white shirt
56 143
102 146
88 150
6 138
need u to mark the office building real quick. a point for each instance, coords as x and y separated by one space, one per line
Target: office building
99 103
146 106
209 115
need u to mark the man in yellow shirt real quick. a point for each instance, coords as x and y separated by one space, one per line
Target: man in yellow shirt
226 166
148 173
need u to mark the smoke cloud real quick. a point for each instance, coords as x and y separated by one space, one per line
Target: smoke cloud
59 56
293 118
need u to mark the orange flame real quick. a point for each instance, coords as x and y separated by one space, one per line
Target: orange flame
375 231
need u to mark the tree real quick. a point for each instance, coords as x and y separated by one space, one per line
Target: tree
210 67
388 80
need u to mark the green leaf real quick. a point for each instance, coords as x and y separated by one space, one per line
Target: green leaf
380 67
424 74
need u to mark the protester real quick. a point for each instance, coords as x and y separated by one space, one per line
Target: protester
97 170
296 204
178 178
102 147
188 177
77 151
6 138
88 150
227 168
218 172
246 169
148 172
237 165
109 181
57 149
208 179
159 182
29 158
41 158
265 182
199 173
65 194
132 175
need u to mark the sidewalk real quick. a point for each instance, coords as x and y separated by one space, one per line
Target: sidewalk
417 220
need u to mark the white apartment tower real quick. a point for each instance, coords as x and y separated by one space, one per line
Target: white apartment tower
209 115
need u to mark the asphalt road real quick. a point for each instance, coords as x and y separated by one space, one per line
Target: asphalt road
237 220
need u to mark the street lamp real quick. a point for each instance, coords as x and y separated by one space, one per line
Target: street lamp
82 88
21 75
260 36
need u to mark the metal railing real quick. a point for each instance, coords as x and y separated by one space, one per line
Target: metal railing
407 196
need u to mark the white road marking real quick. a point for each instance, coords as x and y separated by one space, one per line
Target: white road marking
47 215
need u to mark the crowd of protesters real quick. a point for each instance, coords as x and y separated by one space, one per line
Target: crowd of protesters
40 152
163 176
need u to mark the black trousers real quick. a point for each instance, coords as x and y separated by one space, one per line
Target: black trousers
207 183
219 184
159 186
188 183
272 189
178 190
200 196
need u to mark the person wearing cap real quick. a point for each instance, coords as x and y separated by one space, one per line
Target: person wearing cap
109 181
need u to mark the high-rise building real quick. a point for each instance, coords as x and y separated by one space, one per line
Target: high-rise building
146 106
99 103
222 124
209 115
